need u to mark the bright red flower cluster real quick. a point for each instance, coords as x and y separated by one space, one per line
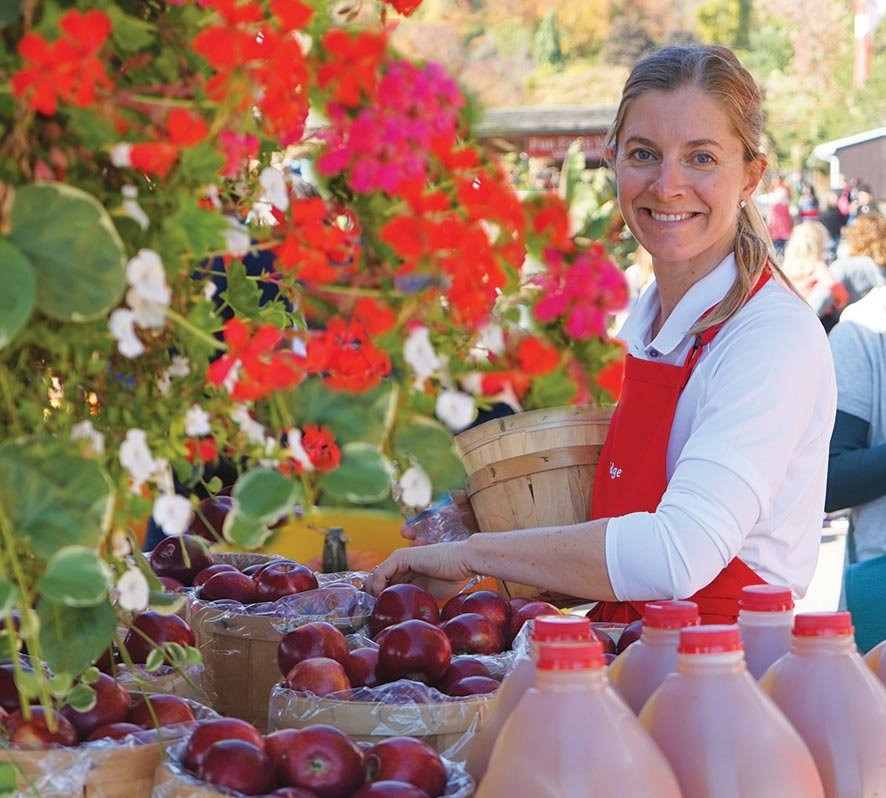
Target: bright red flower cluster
319 248
583 291
67 69
183 128
201 450
254 366
320 446
248 52
347 357
350 67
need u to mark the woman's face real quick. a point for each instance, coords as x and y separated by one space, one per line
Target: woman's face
681 174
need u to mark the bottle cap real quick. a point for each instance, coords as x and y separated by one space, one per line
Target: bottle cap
766 598
570 656
550 628
711 639
823 624
670 614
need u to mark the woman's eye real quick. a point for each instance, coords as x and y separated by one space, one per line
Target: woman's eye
641 155
703 159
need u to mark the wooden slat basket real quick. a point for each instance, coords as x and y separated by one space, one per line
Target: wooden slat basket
533 469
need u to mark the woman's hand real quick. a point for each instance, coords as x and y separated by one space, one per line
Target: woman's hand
440 568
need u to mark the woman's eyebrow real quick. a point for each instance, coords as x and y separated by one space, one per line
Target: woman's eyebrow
694 143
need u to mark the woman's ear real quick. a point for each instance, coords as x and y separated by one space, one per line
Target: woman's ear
755 171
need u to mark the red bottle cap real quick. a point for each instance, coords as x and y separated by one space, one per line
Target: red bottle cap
670 614
766 598
571 656
550 628
823 624
711 639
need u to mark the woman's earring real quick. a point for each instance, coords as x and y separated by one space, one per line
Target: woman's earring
742 204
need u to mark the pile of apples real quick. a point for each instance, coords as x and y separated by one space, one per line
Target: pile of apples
114 716
416 641
187 561
318 761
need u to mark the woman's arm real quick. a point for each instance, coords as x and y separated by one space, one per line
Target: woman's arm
856 472
569 559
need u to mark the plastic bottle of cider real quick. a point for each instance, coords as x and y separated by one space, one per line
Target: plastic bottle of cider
876 660
835 702
722 734
766 619
571 736
643 666
545 629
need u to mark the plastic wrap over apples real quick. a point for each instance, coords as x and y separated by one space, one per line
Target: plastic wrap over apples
188 683
103 768
174 781
442 522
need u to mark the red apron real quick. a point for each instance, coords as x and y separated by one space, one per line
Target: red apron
631 476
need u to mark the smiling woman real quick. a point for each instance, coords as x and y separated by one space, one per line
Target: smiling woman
713 471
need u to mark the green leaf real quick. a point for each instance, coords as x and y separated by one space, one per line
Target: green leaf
193 656
129 34
193 230
155 660
265 495
74 247
175 653
72 638
30 683
19 294
364 476
94 132
75 576
242 294
82 698
166 603
430 444
202 163
90 675
10 11
8 778
60 684
52 495
245 531
9 595
550 390
351 417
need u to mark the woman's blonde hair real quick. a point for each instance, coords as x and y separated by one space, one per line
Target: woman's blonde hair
717 71
805 248
867 236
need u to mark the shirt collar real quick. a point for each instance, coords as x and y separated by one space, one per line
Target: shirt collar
701 296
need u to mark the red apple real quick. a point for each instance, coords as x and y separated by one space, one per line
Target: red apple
362 667
283 579
389 789
516 603
322 759
489 604
212 570
630 634
406 759
211 731
453 607
402 602
229 585
209 517
35 730
238 765
9 698
318 675
114 731
414 650
471 633
181 557
167 709
531 609
473 685
605 640
293 792
152 626
314 639
459 668
170 585
112 705
609 658
279 741
252 570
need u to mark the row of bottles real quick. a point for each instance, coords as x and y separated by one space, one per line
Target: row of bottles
814 725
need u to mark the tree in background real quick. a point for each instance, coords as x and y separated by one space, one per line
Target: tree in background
724 22
546 45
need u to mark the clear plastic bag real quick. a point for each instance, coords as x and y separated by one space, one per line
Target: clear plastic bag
442 522
173 781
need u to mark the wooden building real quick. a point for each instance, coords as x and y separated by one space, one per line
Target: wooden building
862 155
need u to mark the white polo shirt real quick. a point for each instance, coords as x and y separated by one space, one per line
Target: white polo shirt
748 453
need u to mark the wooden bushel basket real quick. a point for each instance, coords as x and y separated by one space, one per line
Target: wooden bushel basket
95 770
441 725
533 469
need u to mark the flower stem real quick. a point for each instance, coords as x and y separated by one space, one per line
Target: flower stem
201 334
7 398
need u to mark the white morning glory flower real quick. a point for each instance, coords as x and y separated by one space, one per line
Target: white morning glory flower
121 325
455 409
121 155
415 487
85 431
132 209
132 590
172 513
418 352
197 422
146 275
296 451
275 188
136 458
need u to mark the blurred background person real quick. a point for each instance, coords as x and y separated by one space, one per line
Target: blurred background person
779 221
804 263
